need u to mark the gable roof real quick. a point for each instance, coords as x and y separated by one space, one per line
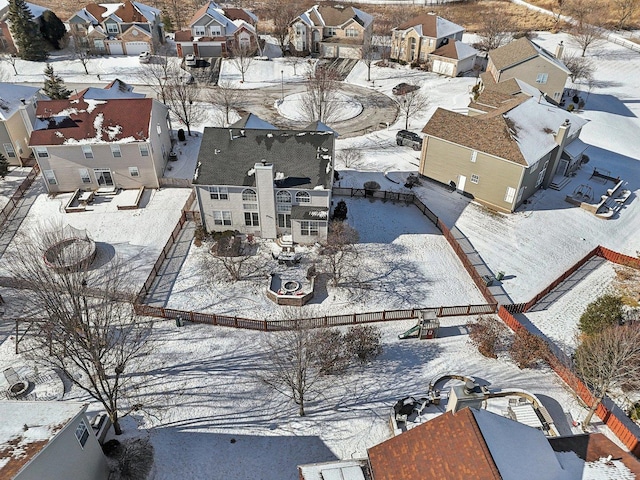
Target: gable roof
334 16
450 446
43 420
455 50
253 121
215 12
431 25
88 121
116 89
126 12
234 13
11 96
519 51
519 128
227 156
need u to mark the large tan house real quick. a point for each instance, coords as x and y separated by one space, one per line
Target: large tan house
331 31
48 440
128 28
526 61
101 144
510 145
435 42
215 31
259 180
17 116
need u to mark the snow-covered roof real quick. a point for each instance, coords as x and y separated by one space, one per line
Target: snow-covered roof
110 10
27 427
338 470
519 51
216 13
334 16
455 50
431 25
241 23
535 123
116 89
254 122
147 12
11 96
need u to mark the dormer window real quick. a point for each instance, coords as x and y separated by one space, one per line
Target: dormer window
198 31
112 28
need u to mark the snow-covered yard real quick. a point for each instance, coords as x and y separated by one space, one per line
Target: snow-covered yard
10 183
403 262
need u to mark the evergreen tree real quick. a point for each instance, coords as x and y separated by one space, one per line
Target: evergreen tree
52 29
26 32
168 23
4 166
54 86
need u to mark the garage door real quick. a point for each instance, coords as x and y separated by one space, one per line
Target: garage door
136 48
445 68
115 48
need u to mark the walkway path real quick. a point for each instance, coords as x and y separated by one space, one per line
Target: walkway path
161 287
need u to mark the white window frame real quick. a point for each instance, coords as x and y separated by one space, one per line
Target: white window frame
84 175
351 32
249 195
199 31
216 30
474 156
222 217
144 150
284 220
50 177
87 151
41 152
309 228
112 28
331 31
475 178
11 152
82 433
251 219
159 129
115 151
218 193
510 194
542 78
134 172
303 197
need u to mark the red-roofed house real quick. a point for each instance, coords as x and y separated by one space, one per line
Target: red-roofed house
433 41
215 31
128 28
90 144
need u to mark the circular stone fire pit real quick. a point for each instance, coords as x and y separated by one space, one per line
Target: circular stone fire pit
290 286
18 388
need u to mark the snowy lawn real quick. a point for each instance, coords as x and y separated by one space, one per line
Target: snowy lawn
403 262
10 183
136 236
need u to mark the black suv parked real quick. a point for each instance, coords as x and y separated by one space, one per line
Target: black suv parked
410 139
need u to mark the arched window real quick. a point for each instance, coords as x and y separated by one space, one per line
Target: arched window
303 197
249 195
283 197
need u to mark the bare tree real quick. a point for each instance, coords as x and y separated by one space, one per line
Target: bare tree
282 13
227 99
587 35
584 11
9 56
237 255
625 10
82 53
182 99
242 58
350 157
581 68
609 361
411 103
494 32
160 72
294 61
293 368
319 102
368 54
89 330
340 251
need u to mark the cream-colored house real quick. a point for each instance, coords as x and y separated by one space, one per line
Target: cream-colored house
215 31
128 28
101 144
510 145
526 61
45 440
331 31
17 116
267 182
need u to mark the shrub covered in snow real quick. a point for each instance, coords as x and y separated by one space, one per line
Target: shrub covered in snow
487 334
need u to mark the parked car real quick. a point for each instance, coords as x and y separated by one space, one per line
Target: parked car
409 139
404 88
191 60
144 57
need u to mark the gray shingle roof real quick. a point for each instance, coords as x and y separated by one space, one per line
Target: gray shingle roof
300 158
299 212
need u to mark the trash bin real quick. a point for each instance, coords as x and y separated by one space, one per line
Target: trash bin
179 322
500 276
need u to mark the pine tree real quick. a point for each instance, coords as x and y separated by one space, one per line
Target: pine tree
4 166
26 32
54 86
52 29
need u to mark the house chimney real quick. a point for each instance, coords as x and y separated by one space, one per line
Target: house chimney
561 136
560 50
561 140
24 102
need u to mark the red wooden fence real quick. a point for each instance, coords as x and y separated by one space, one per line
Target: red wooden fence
19 193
